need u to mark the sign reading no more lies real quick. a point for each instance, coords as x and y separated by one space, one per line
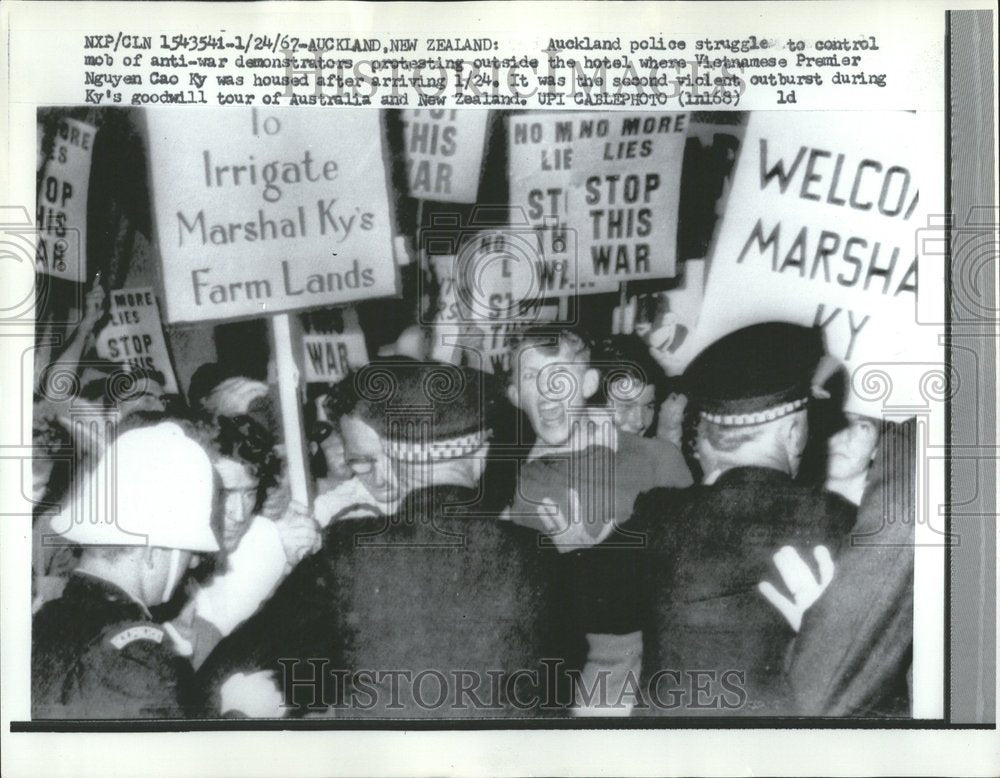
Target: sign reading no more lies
263 211
605 188
134 335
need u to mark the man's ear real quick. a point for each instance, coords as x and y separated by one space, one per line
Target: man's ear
591 381
513 395
798 433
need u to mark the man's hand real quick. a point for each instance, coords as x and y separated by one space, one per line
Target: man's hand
278 500
570 532
800 581
255 695
299 532
671 421
93 308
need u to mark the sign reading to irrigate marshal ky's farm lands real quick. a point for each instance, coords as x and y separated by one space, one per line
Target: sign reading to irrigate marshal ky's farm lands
265 210
820 229
607 187
444 153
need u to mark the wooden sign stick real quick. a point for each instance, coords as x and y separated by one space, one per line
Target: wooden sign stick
287 368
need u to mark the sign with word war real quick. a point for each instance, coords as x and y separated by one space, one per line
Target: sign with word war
61 216
820 230
606 186
330 356
484 301
263 211
134 334
444 153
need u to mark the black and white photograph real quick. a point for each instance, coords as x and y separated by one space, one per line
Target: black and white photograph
472 414
553 388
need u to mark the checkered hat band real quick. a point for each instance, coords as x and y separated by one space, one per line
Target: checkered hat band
760 417
435 450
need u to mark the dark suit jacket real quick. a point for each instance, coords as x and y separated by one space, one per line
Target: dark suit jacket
95 654
855 646
435 590
712 645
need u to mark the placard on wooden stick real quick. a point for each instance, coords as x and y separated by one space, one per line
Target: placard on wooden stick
134 334
444 153
605 187
263 211
820 229
62 202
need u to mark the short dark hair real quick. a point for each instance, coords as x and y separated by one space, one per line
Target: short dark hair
349 398
627 357
549 338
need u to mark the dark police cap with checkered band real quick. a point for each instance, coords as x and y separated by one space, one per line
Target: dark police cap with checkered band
756 374
432 410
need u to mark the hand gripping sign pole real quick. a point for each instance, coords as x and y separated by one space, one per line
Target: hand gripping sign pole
239 245
288 372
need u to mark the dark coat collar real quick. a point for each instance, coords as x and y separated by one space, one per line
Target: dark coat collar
87 587
752 475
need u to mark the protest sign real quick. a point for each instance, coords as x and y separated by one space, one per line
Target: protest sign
61 219
444 153
820 230
39 146
666 320
607 186
329 356
134 334
478 314
265 210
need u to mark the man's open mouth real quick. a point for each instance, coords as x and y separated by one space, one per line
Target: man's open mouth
551 413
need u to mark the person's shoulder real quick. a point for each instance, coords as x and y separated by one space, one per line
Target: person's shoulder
344 532
839 513
653 504
543 476
142 641
83 609
131 668
662 456
129 655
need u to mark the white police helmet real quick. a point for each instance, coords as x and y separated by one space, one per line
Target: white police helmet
153 486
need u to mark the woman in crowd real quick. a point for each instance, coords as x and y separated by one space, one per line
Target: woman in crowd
850 455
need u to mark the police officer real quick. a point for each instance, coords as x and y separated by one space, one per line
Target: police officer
439 610
96 652
713 644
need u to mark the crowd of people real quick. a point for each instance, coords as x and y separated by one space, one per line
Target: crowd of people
581 536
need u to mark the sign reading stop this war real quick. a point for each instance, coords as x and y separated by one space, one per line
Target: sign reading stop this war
820 229
134 335
606 187
263 211
444 153
62 202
